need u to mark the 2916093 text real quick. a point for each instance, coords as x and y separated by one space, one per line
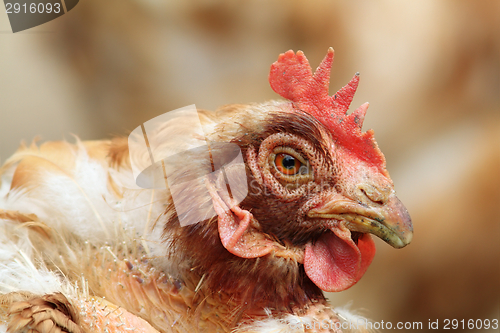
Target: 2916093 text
33 8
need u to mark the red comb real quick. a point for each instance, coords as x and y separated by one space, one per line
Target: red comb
291 77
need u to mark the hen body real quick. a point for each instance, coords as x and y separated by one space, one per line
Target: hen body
84 249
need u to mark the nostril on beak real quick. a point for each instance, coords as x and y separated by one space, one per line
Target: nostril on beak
371 193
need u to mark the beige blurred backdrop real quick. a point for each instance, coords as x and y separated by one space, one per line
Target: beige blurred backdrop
430 70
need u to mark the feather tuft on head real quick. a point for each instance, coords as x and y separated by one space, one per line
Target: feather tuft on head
292 78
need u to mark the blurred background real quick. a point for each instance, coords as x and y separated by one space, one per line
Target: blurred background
430 70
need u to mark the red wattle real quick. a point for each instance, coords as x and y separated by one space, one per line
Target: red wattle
335 262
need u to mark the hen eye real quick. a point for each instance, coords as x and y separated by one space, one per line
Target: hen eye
288 164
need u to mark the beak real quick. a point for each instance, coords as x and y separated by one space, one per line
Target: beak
389 221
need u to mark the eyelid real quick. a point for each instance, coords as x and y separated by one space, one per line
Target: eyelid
290 151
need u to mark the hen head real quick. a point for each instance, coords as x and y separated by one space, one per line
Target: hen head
317 188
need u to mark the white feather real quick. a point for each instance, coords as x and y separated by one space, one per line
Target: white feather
353 322
18 269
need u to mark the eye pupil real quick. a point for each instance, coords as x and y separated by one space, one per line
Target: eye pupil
288 162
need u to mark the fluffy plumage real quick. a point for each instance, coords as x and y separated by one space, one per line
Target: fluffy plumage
80 241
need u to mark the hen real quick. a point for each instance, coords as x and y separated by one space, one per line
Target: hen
265 207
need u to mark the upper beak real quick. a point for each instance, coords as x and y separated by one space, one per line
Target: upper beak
389 221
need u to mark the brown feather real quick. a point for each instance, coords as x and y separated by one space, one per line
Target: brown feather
52 313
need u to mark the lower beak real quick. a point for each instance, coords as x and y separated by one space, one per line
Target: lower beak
389 221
